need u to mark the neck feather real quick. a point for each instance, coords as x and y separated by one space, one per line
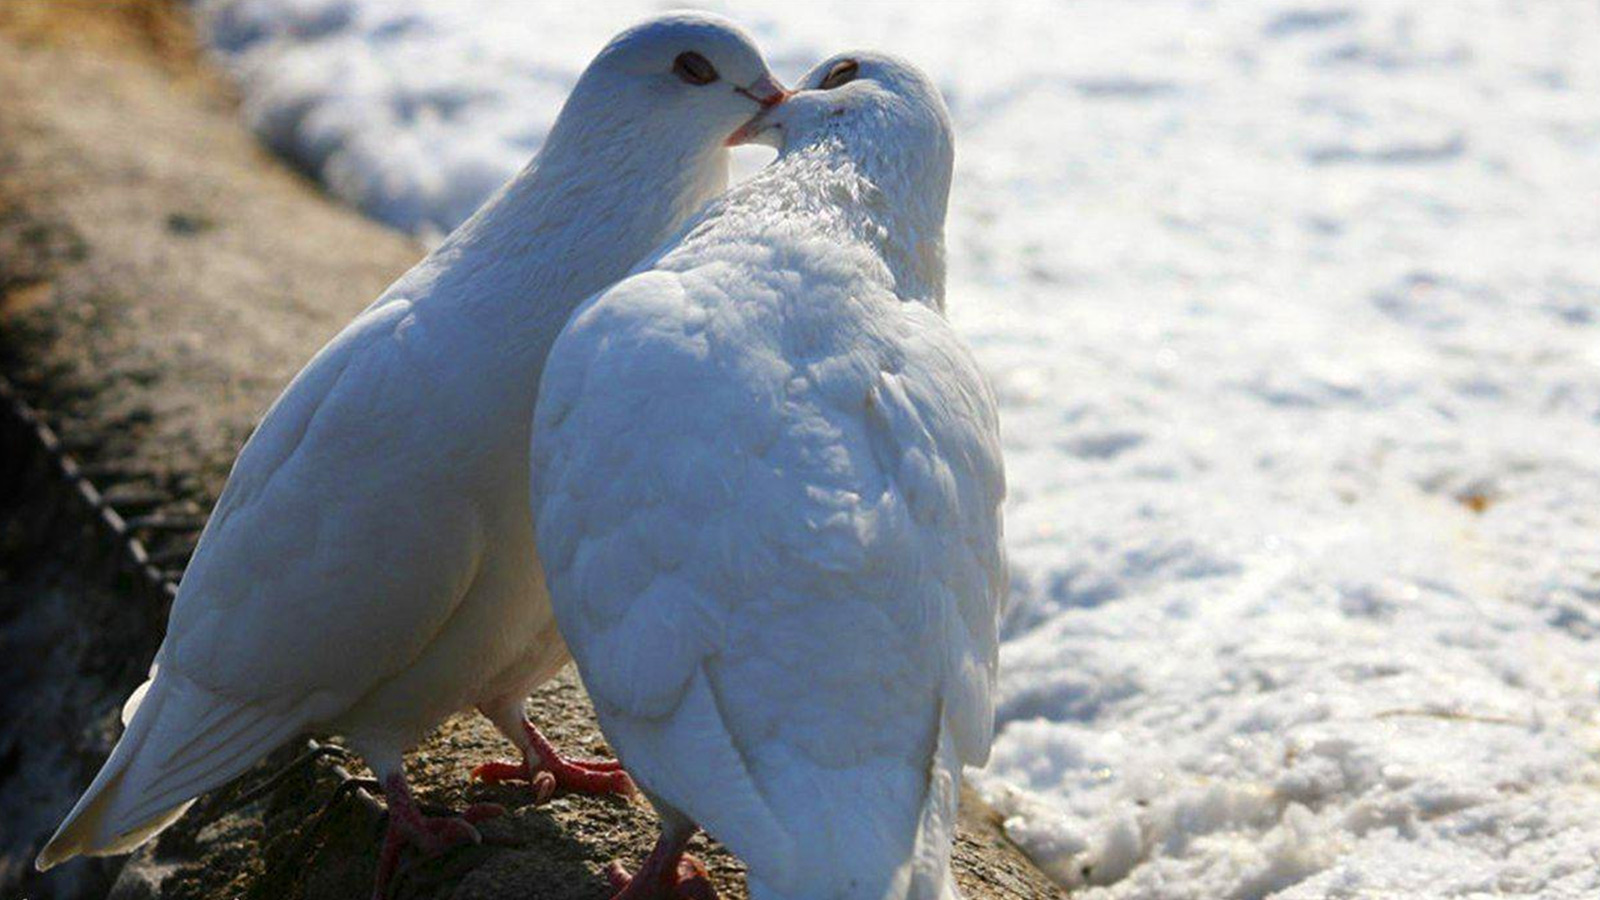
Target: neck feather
579 217
890 209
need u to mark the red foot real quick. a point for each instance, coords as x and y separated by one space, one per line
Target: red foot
547 771
688 880
431 836
543 784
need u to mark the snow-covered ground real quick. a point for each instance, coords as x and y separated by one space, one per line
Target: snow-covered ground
1294 310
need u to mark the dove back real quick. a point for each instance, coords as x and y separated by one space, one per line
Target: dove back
768 488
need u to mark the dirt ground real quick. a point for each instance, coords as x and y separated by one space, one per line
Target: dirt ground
161 278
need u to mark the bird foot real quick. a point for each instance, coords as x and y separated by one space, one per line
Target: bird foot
429 835
587 776
547 771
542 784
558 774
688 880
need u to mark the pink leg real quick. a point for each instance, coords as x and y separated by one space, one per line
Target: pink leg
668 873
432 836
547 771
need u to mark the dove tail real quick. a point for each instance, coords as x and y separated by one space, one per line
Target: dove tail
930 877
870 853
181 741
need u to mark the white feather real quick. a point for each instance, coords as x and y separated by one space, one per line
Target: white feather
370 567
767 484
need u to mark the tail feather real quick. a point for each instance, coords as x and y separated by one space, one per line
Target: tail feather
181 740
131 705
255 736
930 876
881 832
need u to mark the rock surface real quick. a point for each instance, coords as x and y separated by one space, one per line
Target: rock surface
161 277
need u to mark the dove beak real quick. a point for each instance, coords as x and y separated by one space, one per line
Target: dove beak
767 93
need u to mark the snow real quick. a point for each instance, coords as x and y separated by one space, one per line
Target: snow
1294 311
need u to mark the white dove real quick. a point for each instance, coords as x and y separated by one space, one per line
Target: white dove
767 487
369 568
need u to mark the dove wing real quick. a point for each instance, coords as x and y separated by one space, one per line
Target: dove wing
936 423
769 571
307 587
307 584
622 498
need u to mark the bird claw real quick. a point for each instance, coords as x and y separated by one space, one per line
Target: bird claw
574 776
559 774
688 881
599 765
443 833
482 812
432 836
499 770
544 787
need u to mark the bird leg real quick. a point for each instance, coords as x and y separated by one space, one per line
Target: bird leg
430 835
545 769
667 873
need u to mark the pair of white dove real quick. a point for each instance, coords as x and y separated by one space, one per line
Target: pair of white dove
765 481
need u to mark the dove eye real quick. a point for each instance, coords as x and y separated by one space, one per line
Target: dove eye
843 72
694 68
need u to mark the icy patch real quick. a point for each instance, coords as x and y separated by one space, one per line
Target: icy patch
1293 309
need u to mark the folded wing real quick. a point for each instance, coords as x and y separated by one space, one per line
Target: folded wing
775 552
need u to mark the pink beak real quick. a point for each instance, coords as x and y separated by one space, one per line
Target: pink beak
768 93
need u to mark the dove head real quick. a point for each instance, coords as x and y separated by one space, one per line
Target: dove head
636 150
674 86
880 111
880 119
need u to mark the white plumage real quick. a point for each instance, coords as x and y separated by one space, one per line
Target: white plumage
370 566
767 491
